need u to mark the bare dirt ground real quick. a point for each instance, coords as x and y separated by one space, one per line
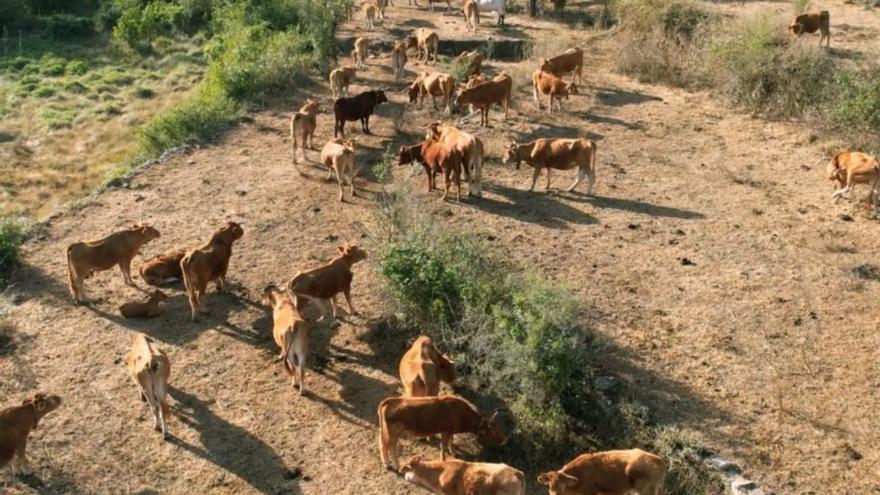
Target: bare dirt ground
710 259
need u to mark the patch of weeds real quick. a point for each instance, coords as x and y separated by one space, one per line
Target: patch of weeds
867 271
12 233
75 87
76 68
44 92
117 78
52 66
57 118
142 92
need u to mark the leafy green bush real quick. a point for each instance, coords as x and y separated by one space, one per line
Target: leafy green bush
57 118
11 235
855 101
139 23
76 67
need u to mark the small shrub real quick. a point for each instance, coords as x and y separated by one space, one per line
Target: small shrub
52 66
19 63
117 78
75 87
143 93
460 70
687 471
57 118
11 236
76 67
855 101
44 92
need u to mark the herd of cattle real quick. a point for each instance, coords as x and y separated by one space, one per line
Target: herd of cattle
421 412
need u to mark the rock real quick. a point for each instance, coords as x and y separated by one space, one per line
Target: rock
845 217
725 466
686 262
316 209
191 161
679 232
241 193
633 226
745 487
606 384
6 136
852 453
18 299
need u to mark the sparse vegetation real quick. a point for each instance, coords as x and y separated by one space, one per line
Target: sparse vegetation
11 235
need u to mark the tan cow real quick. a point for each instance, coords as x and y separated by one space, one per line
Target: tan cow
615 472
554 87
371 11
338 155
434 84
471 15
302 128
483 96
559 154
150 369
324 283
359 54
424 40
419 417
470 147
398 59
147 309
208 263
117 249
163 268
291 334
454 477
849 168
812 22
422 368
340 80
571 60
16 423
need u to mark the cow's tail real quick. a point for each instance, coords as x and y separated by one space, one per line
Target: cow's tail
71 271
189 281
160 393
476 16
288 348
384 434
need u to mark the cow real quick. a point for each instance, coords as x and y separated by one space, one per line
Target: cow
208 263
554 87
422 368
359 54
371 10
812 22
424 40
474 61
150 369
302 128
338 155
381 5
398 59
359 107
291 334
432 2
446 159
409 154
147 309
498 6
470 147
444 415
483 96
569 61
163 269
615 472
117 249
434 84
849 168
16 423
324 283
340 79
471 15
455 477
559 154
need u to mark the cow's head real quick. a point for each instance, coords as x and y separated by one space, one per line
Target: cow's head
269 295
434 131
409 469
447 368
571 88
489 433
146 230
796 27
412 41
405 155
380 96
43 404
158 296
557 482
511 154
229 233
351 251
544 65
311 106
834 169
412 91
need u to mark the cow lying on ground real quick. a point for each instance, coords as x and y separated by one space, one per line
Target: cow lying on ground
418 417
554 87
434 84
359 107
849 168
16 423
117 249
150 368
291 334
359 54
422 368
615 472
812 22
340 80
410 154
398 59
338 156
323 284
454 477
163 269
147 309
470 147
302 128
208 263
569 61
559 154
483 96
424 40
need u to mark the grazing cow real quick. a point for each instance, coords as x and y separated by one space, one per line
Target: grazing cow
499 6
338 156
454 477
410 154
16 423
359 54
418 417
812 22
371 11
147 309
571 60
117 249
422 368
163 268
559 154
552 86
150 368
208 263
434 84
398 59
445 159
340 79
483 96
474 60
324 283
615 472
359 107
849 168
471 15
291 334
424 40
302 128
470 147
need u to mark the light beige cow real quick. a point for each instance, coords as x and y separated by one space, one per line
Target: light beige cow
338 156
150 369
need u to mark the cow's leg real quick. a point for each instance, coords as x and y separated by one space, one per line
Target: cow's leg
347 294
535 175
339 183
434 101
220 283
548 179
457 177
367 125
445 445
125 268
203 308
445 183
351 182
535 95
577 180
20 457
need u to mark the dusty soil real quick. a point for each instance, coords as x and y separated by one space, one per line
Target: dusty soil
726 284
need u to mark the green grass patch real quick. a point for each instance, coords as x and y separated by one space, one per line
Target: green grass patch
12 233
57 118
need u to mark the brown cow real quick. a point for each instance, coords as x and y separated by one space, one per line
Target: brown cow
16 423
559 154
615 472
418 417
326 282
302 128
409 154
398 59
291 334
571 60
371 11
424 40
483 96
163 268
117 249
208 263
338 155
422 368
471 15
454 477
381 5
445 159
849 168
147 309
359 54
340 80
554 87
434 84
470 147
812 22
150 368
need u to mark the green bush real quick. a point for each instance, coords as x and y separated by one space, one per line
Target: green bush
11 236
68 26
76 67
139 23
855 101
57 118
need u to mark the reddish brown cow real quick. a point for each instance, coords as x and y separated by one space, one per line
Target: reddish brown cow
483 96
470 147
409 154
16 423
434 84
571 60
812 22
422 368
559 154
208 263
615 472
326 282
163 269
291 334
454 477
147 309
554 87
849 168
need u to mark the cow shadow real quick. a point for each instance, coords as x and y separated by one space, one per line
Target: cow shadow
45 481
602 119
533 207
634 206
557 131
618 97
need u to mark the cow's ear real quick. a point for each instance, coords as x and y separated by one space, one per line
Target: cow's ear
567 480
341 249
40 404
546 478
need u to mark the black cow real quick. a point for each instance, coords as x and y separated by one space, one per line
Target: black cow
358 107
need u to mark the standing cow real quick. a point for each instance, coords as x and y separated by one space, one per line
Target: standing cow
559 154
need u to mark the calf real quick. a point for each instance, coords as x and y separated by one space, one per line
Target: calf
417 417
849 168
409 154
340 79
16 423
424 40
291 334
326 282
208 263
359 107
812 22
359 54
470 147
302 128
338 156
498 6
552 86
371 10
471 15
434 84
559 154
483 96
147 309
163 268
398 59
571 60
117 249
615 472
422 368
454 477
150 368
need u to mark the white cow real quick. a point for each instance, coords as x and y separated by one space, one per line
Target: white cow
499 6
